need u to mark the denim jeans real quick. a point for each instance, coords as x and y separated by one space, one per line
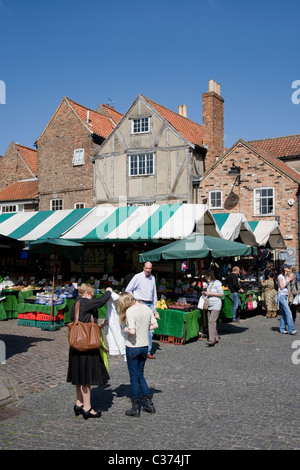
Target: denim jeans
236 303
136 358
286 315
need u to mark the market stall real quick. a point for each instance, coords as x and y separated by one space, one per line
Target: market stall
195 247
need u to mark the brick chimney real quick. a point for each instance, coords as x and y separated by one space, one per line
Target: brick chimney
213 123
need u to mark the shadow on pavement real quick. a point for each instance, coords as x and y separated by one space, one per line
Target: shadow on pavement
17 344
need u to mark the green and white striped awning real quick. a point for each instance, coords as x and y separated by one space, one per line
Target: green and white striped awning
234 226
29 226
253 233
268 232
167 221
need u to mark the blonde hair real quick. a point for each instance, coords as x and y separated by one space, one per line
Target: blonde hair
86 288
126 300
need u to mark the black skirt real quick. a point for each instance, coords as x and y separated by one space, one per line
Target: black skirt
86 368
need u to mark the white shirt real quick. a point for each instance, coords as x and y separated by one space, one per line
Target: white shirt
215 303
143 288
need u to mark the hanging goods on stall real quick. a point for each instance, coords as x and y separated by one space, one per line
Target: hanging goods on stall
203 303
296 300
83 336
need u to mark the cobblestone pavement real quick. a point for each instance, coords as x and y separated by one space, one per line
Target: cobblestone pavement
241 394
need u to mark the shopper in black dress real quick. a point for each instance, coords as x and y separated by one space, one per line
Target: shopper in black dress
87 368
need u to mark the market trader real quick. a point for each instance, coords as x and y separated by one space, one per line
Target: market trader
143 288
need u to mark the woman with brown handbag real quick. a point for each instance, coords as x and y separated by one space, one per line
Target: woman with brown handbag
87 368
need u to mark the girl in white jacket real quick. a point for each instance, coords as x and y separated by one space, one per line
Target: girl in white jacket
114 330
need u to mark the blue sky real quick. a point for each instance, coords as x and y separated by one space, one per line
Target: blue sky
94 51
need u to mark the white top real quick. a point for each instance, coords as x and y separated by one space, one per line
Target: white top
215 303
283 291
139 317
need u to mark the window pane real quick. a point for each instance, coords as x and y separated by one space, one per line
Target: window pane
133 165
215 199
264 201
150 169
142 164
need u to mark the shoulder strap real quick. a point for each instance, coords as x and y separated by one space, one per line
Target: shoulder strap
77 311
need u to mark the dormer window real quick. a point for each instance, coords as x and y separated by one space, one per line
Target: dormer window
141 125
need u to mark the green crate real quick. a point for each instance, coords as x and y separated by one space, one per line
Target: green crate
24 322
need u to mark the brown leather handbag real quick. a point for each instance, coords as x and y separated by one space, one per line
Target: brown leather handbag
83 337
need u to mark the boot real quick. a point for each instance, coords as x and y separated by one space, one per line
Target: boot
149 407
135 409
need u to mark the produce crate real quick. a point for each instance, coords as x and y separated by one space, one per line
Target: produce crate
171 339
27 316
44 317
24 322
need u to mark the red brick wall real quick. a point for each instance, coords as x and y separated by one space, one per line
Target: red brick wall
213 126
12 167
255 173
58 178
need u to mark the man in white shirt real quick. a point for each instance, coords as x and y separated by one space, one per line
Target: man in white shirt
143 288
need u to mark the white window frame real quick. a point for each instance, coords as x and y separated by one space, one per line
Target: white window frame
139 157
211 206
10 208
53 202
140 125
258 198
79 204
78 157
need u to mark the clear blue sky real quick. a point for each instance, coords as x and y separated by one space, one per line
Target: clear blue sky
93 50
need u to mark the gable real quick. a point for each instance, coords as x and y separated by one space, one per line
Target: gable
164 131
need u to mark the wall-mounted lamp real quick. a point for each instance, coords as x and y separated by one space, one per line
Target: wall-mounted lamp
235 170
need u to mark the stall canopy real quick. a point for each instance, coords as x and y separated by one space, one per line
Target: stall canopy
196 246
268 232
29 226
235 225
166 222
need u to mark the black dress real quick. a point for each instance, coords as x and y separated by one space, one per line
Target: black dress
87 368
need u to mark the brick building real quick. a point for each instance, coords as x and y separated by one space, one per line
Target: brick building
18 183
65 147
262 188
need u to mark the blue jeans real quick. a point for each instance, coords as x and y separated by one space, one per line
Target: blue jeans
286 315
236 303
136 358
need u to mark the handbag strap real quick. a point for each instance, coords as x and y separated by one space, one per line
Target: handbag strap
77 306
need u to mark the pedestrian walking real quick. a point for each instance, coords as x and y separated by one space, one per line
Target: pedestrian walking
87 368
283 294
139 319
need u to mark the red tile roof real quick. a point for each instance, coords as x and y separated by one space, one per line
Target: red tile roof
98 123
19 191
290 172
190 130
279 146
29 155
